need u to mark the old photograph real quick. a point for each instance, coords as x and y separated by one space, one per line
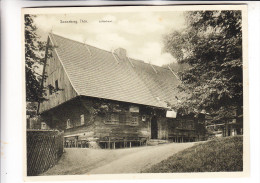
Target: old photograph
135 90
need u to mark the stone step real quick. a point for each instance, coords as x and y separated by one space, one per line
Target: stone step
153 142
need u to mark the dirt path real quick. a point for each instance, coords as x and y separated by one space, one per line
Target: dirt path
135 162
104 161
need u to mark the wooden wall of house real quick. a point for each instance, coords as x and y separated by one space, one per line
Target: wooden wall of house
54 71
184 128
121 126
57 117
99 127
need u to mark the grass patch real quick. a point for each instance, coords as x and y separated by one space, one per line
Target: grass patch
218 155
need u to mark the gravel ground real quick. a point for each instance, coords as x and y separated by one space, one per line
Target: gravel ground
105 161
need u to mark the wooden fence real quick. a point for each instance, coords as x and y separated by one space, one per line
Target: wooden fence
44 148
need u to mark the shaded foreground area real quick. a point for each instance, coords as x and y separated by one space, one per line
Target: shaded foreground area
218 155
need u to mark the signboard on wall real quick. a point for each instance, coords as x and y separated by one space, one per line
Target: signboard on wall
171 114
134 109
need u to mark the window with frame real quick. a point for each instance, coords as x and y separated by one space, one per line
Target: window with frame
43 126
131 119
112 118
69 124
134 121
82 119
56 85
143 117
186 124
50 89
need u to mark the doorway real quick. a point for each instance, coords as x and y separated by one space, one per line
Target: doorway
154 128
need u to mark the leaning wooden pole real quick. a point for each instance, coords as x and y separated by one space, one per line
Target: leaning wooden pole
43 71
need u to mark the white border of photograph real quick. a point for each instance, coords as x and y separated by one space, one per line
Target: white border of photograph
12 131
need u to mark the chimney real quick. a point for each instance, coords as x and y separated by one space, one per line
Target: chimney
121 53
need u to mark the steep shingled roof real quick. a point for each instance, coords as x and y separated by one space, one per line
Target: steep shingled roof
98 73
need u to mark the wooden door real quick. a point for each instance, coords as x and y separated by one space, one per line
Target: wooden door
154 128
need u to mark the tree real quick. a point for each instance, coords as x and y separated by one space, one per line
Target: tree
211 45
34 59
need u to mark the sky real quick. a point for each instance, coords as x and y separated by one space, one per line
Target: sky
141 34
